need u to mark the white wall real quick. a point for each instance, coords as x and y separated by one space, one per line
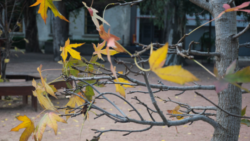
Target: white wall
119 19
76 27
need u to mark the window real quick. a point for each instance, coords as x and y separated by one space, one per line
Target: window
89 27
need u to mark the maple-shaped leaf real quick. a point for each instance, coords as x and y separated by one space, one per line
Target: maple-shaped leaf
93 13
228 8
46 86
174 74
27 124
49 119
44 101
68 49
73 101
241 76
112 40
121 88
175 111
99 50
44 5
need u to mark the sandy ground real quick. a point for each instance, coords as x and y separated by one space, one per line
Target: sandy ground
75 130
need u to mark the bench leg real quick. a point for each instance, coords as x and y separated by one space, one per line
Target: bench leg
34 102
25 100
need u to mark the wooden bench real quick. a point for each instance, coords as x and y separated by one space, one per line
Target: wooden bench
24 88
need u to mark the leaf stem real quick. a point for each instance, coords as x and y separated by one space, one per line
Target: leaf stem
203 67
139 66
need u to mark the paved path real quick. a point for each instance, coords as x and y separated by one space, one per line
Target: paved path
198 131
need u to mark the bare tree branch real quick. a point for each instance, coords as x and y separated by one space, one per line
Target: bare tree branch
242 32
247 45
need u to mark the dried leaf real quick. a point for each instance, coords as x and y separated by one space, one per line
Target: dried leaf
44 5
49 119
73 101
47 88
44 101
99 50
228 8
27 124
175 111
220 85
93 13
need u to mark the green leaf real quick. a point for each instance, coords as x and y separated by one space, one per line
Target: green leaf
89 93
74 72
69 86
245 122
243 111
241 76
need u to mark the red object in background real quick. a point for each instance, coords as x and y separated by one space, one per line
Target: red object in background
134 38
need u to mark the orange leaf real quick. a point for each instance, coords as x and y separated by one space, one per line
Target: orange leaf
49 119
228 8
27 124
93 13
44 4
174 74
99 51
68 49
175 111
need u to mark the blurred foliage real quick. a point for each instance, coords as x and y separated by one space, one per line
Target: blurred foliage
157 8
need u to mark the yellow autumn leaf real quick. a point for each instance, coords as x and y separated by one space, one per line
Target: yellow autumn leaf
99 50
158 57
27 124
120 89
49 119
174 74
68 49
73 101
44 5
47 88
44 101
175 111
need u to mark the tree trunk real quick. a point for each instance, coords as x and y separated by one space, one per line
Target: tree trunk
60 30
231 98
174 23
31 33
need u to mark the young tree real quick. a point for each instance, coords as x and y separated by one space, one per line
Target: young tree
8 25
93 74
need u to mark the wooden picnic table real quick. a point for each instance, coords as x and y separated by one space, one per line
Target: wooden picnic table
25 88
